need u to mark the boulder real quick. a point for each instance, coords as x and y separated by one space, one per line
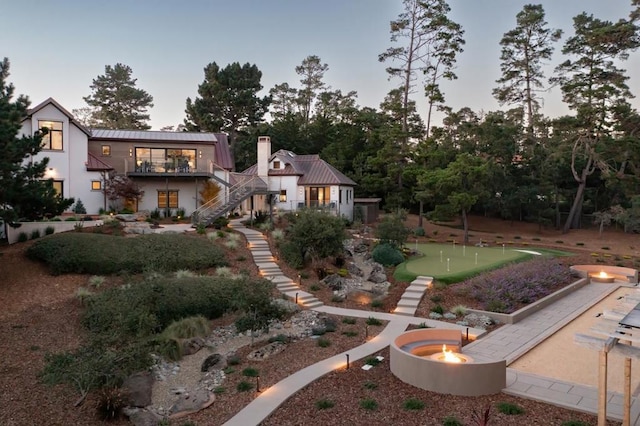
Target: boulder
189 403
138 388
354 270
334 281
193 345
144 418
266 351
360 248
377 277
213 362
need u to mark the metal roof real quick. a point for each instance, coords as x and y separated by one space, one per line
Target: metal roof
95 164
153 135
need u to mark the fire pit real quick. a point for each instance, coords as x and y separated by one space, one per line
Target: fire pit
602 277
431 359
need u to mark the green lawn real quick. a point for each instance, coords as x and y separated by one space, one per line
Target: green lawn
453 263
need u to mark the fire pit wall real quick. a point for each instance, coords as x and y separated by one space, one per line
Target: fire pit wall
470 378
620 273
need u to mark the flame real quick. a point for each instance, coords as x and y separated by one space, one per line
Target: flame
603 274
449 356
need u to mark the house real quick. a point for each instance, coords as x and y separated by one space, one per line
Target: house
170 167
299 181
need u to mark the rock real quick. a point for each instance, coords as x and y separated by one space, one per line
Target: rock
287 305
215 361
138 388
144 418
354 270
190 403
360 248
334 282
193 345
266 351
476 320
377 277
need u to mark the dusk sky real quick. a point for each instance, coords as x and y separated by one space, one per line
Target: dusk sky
57 48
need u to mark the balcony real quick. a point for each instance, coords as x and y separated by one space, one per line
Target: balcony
147 168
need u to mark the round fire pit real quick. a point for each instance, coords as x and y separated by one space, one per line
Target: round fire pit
422 358
602 277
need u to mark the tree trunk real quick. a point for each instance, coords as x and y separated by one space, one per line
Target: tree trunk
465 226
420 211
576 207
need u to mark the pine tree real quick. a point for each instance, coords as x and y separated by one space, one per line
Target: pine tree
23 192
118 103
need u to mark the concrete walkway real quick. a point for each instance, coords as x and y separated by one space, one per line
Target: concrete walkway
508 342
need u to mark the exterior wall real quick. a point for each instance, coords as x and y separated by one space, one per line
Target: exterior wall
187 192
346 207
28 227
295 194
69 164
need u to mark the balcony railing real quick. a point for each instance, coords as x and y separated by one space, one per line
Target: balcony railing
146 167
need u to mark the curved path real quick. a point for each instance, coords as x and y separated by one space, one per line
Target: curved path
508 342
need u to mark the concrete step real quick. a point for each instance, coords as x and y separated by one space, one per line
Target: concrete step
404 311
271 273
315 304
408 303
287 287
417 287
281 279
412 295
422 280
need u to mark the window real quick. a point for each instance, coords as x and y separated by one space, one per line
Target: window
161 160
96 185
57 186
173 199
283 195
276 165
53 139
106 150
340 196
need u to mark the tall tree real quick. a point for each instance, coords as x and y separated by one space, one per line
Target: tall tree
118 103
228 101
593 86
283 100
431 42
524 50
311 72
23 191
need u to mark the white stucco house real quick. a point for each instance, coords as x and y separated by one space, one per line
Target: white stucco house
299 181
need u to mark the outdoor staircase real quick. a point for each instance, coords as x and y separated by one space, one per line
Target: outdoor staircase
244 187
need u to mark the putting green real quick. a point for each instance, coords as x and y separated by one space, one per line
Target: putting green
448 262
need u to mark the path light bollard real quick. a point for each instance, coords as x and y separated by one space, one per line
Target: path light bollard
502 248
258 383
296 297
447 264
366 332
299 279
476 258
440 256
347 361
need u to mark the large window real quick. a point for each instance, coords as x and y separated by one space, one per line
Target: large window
106 150
53 139
96 185
283 196
161 160
172 199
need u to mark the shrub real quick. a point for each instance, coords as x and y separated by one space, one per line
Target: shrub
277 234
423 325
438 309
605 248
313 234
377 303
212 236
229 370
391 230
413 404
318 331
250 372
451 421
350 333
387 255
233 360
459 310
314 287
111 402
35 234
574 423
187 328
78 207
224 271
231 244
220 222
372 361
49 230
370 385
96 280
373 321
509 408
579 244
244 386
337 298
184 273
436 298
97 254
292 255
348 320
219 390
369 404
241 258
324 343
323 404
419 232
503 290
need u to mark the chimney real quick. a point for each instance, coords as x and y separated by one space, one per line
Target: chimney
264 152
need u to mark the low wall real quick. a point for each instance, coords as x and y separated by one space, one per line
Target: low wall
28 227
465 379
629 275
534 307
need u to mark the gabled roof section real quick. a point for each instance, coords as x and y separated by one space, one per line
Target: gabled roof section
51 101
94 164
311 168
223 153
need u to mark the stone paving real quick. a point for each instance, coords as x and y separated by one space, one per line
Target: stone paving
509 342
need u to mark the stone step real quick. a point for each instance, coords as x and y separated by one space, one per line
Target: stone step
412 295
280 279
263 259
422 280
287 287
315 304
267 265
408 303
404 311
416 288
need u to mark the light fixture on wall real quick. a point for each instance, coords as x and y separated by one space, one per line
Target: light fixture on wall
199 154
130 152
